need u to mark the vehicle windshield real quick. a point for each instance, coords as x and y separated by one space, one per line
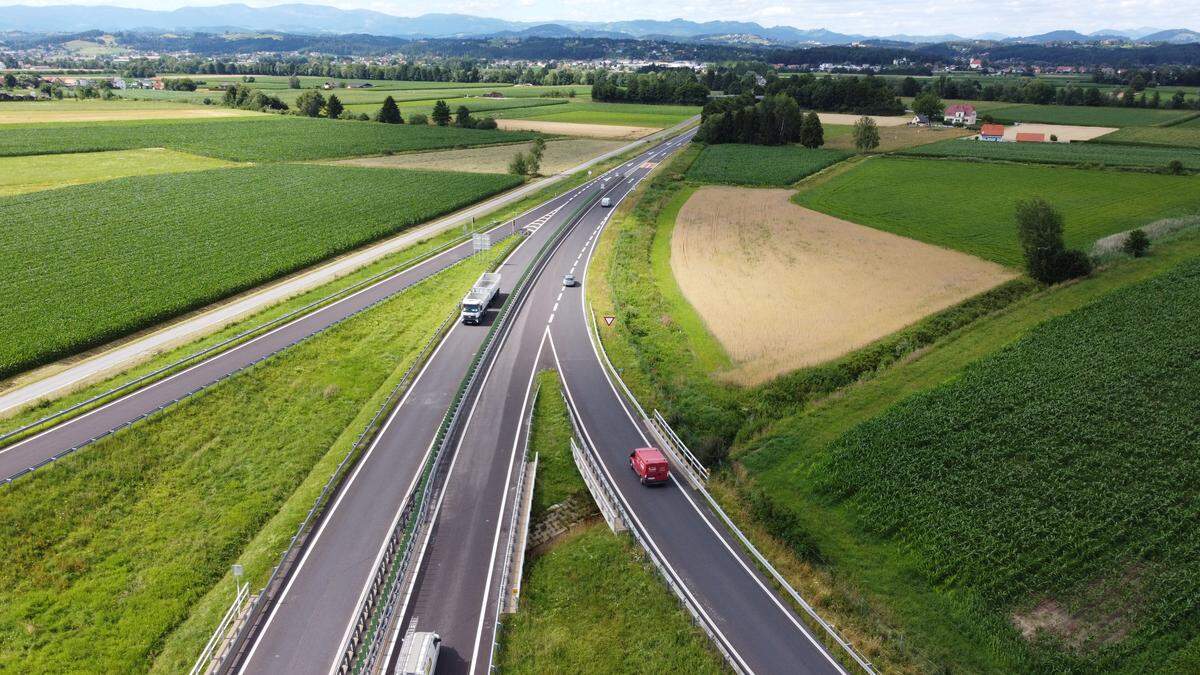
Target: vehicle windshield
470 307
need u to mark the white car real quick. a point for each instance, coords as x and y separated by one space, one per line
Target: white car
606 202
569 280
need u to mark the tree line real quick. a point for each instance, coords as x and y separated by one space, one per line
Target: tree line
677 85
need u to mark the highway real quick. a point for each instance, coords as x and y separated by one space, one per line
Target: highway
456 593
308 627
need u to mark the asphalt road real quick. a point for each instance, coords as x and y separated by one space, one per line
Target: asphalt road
306 630
457 593
457 588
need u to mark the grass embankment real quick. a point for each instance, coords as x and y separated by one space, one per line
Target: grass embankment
19 175
266 138
937 611
156 254
737 164
593 603
969 205
557 477
119 554
1092 154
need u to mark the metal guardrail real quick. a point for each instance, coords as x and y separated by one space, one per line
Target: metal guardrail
601 492
729 524
416 512
697 473
206 654
586 458
502 586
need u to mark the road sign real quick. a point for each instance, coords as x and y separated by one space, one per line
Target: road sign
481 242
609 319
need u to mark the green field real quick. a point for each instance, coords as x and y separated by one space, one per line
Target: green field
43 172
1075 410
478 106
106 259
593 604
1181 136
1096 116
260 139
1064 153
621 114
760 165
969 205
117 557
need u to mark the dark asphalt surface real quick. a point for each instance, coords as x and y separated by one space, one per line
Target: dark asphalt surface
458 586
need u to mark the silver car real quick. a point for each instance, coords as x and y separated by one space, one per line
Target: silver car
569 280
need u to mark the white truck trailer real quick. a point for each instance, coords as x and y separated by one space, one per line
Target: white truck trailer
475 304
419 654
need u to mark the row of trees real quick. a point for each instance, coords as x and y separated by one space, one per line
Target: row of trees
867 95
528 164
666 86
247 98
1043 92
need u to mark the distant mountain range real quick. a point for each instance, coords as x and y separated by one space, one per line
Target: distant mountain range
322 19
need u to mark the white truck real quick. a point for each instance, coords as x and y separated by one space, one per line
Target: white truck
475 304
419 654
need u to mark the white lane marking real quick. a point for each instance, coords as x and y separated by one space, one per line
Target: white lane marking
551 320
649 539
625 407
500 520
555 308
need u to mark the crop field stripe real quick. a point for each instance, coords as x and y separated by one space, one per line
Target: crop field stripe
737 164
1096 152
155 254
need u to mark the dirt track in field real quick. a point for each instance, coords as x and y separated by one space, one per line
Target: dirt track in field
782 287
575 129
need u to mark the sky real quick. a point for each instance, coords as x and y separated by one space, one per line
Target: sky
870 17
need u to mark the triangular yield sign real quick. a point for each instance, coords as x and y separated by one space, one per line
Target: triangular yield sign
609 319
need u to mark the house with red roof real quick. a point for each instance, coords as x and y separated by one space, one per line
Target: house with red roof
960 114
991 132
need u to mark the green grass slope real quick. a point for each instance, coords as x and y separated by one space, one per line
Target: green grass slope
969 206
89 263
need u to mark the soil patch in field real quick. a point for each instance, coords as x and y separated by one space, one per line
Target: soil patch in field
881 120
782 287
560 156
576 129
1064 132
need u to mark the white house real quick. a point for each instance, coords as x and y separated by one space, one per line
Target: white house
960 114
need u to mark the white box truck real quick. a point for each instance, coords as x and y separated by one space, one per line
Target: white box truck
475 305
419 654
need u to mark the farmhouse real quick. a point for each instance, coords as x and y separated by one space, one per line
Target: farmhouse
1030 137
919 121
991 132
960 114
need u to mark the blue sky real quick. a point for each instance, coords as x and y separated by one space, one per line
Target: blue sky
876 17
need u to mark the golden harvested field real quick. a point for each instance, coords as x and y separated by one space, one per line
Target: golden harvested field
881 120
891 138
560 156
577 129
1065 132
109 111
782 287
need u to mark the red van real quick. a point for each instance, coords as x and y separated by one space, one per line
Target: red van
650 466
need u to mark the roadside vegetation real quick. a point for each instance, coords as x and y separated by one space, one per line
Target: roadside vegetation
779 165
257 139
107 552
969 206
557 477
139 262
